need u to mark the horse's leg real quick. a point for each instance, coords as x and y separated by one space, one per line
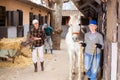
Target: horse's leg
70 64
75 63
78 65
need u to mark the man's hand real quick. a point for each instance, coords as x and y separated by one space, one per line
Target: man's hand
82 44
36 38
97 45
53 32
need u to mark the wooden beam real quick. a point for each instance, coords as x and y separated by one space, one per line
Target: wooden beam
84 5
98 1
89 3
93 7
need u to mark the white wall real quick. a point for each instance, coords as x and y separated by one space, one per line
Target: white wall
12 32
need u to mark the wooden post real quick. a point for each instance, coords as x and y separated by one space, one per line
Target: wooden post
111 20
118 71
111 37
107 60
118 20
56 19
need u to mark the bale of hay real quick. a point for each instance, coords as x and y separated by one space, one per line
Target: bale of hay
10 43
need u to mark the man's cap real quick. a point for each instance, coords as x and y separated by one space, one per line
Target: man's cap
45 24
93 22
34 21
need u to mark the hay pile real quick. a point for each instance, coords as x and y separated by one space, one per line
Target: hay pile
26 51
10 43
20 61
15 44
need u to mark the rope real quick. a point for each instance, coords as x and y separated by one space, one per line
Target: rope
81 59
93 58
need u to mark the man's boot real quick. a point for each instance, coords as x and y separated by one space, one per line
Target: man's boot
51 51
46 51
42 66
35 66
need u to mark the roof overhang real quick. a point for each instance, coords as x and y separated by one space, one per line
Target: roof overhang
36 5
90 8
71 12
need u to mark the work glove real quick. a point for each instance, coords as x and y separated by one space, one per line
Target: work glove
83 44
98 45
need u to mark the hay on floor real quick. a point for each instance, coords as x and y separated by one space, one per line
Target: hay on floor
20 60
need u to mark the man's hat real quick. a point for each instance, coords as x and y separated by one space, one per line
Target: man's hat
93 22
34 21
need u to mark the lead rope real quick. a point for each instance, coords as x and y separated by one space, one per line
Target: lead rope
95 60
81 59
92 58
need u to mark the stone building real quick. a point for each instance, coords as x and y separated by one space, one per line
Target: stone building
16 16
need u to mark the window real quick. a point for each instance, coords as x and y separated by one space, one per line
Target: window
2 15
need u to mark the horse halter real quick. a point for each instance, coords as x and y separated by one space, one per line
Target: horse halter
75 33
75 36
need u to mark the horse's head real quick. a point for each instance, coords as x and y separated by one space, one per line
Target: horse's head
74 27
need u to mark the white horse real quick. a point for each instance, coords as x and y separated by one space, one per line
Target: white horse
74 49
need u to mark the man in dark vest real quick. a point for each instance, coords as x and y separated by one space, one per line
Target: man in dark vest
39 36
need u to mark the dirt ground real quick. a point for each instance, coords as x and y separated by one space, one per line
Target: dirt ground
56 68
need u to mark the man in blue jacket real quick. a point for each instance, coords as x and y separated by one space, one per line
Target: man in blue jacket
48 41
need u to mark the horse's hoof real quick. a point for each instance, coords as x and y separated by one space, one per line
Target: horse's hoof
84 73
73 73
